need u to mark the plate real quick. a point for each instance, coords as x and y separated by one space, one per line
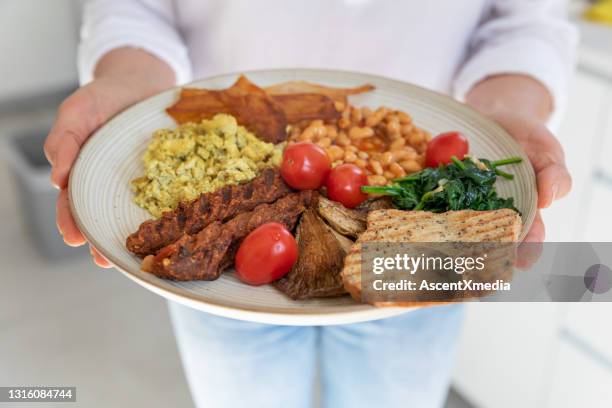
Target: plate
101 199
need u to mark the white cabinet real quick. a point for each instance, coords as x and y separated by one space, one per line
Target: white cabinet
505 354
581 133
579 381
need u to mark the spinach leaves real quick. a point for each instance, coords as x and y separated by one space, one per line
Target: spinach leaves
459 185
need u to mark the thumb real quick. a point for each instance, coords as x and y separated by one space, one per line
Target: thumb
76 120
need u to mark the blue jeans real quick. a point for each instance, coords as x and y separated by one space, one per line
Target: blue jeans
404 361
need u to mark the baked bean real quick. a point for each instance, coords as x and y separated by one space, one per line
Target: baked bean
363 155
386 158
331 131
357 132
404 117
375 118
410 166
397 170
393 127
415 138
397 144
377 180
350 157
376 167
356 115
308 134
366 112
388 175
361 163
406 129
342 139
344 123
391 117
403 154
339 106
324 142
335 153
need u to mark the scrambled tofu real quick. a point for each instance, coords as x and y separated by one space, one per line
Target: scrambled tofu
198 158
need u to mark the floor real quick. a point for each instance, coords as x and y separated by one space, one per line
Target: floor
67 322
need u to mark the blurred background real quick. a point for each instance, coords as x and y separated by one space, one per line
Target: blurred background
65 322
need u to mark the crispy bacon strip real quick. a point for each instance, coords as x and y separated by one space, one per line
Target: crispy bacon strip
306 107
248 103
205 255
219 205
303 87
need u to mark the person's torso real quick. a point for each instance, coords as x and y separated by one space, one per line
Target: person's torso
423 42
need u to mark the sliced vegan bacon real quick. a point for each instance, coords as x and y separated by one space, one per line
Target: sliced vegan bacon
220 205
205 255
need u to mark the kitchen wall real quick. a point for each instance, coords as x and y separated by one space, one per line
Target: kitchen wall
37 47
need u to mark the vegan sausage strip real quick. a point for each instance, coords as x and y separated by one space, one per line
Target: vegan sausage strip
205 255
192 217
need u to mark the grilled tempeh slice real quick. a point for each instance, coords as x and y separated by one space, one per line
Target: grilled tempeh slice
219 205
422 226
205 255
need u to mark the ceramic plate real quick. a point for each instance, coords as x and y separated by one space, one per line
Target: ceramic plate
101 199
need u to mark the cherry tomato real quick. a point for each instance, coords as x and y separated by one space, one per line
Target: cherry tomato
344 185
441 148
305 166
266 254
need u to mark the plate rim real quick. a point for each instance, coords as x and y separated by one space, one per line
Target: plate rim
368 312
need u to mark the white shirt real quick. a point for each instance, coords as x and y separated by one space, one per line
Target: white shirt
445 45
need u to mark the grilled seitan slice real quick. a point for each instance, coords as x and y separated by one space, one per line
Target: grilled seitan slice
321 257
421 226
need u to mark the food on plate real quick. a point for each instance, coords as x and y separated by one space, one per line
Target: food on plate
344 185
344 220
192 159
321 256
305 166
248 103
220 205
266 112
303 87
384 142
388 226
300 107
443 147
462 184
266 254
226 196
205 255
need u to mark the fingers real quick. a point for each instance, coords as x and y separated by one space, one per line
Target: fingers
99 259
529 251
72 128
65 222
537 231
554 182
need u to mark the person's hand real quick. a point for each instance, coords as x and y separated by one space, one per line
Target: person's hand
123 76
547 158
78 117
522 105
552 177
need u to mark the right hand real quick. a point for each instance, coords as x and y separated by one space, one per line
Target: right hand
78 117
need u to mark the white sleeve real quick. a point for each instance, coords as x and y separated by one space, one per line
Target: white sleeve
145 24
531 37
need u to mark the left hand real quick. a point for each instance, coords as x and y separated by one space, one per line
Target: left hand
547 158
